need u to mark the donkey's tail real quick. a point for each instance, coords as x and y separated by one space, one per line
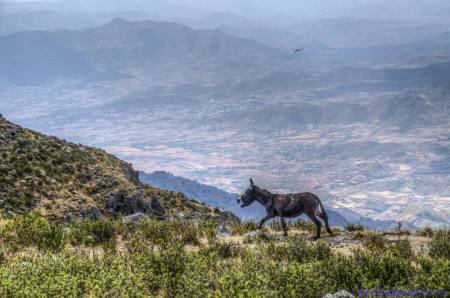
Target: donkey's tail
323 214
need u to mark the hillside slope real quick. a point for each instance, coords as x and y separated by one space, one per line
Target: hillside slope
60 179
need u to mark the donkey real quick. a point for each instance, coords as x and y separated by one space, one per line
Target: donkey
286 205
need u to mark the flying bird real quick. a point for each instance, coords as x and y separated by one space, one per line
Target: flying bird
298 50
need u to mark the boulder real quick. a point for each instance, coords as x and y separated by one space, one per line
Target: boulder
136 217
340 294
10 214
127 202
223 230
69 216
91 212
157 208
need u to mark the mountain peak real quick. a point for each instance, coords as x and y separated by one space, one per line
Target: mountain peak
119 21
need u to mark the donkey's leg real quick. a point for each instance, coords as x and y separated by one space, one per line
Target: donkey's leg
266 218
324 216
285 228
316 222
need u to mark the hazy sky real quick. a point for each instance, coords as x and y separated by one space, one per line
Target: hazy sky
294 11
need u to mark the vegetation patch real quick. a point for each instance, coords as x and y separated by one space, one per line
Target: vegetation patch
179 258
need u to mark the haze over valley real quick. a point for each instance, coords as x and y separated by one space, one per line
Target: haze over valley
361 116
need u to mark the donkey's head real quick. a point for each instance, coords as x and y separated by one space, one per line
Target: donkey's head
249 196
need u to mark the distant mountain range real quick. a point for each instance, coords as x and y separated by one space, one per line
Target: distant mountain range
366 128
111 51
216 197
121 49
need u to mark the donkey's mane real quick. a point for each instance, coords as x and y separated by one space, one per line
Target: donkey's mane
264 192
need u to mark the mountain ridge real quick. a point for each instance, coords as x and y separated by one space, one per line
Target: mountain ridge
115 47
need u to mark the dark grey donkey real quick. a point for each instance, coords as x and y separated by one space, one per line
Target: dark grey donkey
286 205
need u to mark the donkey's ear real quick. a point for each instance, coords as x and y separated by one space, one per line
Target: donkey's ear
251 183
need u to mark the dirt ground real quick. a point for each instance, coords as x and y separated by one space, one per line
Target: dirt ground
342 241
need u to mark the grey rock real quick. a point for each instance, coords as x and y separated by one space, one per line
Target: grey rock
126 202
223 230
25 145
340 294
137 217
83 177
253 234
106 182
10 214
38 204
2 203
132 174
91 212
68 217
157 208
93 160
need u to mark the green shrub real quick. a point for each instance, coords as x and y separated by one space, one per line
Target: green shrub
166 233
33 230
383 269
188 232
433 274
299 250
173 263
155 262
440 245
343 272
276 225
92 233
259 237
154 231
69 275
354 227
209 230
240 228
305 225
53 238
374 241
402 248
225 249
425 232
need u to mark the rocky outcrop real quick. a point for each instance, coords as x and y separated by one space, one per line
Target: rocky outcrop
128 202
157 209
